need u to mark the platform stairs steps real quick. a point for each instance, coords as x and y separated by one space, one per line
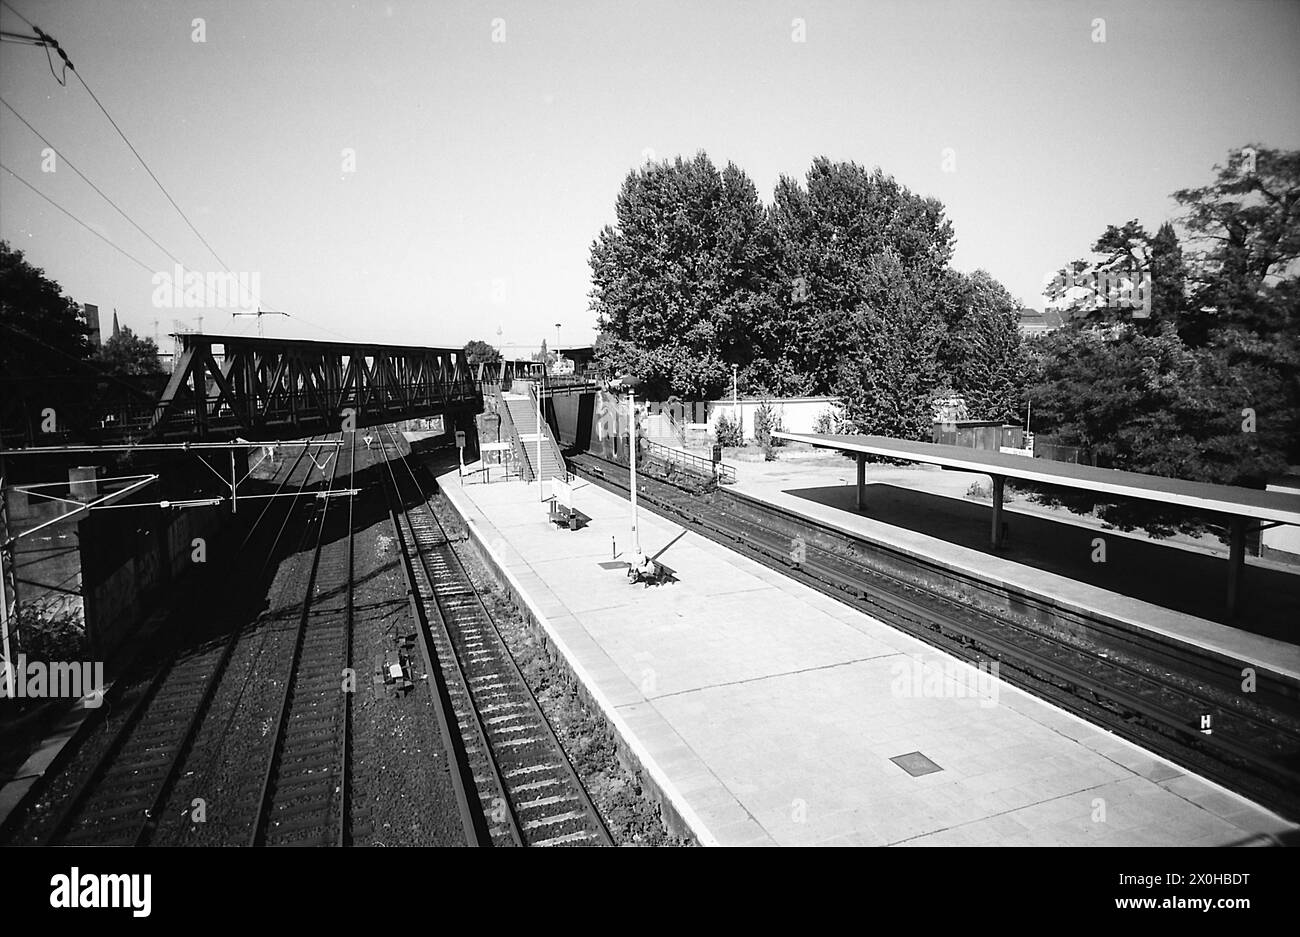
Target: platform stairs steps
523 413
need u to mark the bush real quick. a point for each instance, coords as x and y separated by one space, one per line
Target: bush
728 432
766 422
828 422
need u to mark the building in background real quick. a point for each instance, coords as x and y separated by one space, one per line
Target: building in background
1033 322
90 316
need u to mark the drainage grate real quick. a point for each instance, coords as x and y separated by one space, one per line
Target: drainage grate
915 764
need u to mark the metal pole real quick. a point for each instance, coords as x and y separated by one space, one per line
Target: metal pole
998 483
6 673
631 454
1236 562
735 405
537 388
7 665
234 494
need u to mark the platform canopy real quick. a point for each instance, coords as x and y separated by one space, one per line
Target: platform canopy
1237 503
1201 496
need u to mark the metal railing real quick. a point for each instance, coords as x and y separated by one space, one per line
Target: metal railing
548 438
696 465
508 430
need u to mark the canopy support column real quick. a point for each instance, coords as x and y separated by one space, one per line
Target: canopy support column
1236 561
862 479
998 482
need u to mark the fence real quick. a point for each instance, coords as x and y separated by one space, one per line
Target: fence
704 469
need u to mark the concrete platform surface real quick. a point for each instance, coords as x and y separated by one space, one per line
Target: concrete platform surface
769 714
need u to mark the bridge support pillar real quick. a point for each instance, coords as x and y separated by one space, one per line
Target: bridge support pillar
862 479
998 483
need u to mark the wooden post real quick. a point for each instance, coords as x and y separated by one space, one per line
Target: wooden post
998 482
862 478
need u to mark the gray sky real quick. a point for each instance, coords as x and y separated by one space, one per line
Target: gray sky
485 169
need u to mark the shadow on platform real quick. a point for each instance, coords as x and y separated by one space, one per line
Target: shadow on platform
1181 580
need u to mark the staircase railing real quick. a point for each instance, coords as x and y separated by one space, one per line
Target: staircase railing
548 438
509 431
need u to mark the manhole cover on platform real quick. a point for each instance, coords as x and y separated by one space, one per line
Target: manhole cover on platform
612 564
915 764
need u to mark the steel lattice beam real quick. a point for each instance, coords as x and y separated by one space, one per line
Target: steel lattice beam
267 388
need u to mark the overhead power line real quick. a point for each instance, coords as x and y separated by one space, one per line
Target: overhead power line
44 38
50 41
69 162
128 256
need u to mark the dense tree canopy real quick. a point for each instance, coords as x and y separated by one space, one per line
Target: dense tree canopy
1208 387
479 352
840 286
127 355
678 282
46 336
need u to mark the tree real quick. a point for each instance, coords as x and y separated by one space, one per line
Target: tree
127 354
1150 404
830 237
678 282
549 357
477 352
982 352
45 383
46 335
1207 388
1245 229
889 375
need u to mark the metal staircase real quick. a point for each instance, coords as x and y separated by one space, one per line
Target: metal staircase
523 414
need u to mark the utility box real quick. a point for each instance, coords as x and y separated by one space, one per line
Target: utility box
84 482
717 453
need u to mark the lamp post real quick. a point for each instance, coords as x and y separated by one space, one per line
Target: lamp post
537 387
735 405
632 383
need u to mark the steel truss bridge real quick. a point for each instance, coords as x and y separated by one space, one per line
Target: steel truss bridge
224 387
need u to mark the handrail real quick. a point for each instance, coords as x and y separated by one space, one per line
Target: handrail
509 431
725 474
545 429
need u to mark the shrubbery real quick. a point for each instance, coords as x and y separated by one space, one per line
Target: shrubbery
766 422
728 431
828 422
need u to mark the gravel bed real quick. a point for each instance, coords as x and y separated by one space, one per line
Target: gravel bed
402 793
227 763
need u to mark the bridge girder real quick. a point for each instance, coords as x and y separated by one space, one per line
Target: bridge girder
268 388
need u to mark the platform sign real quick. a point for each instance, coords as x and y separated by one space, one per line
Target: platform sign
563 492
460 439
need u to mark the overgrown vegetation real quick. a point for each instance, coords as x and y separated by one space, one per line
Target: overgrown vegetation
728 431
766 422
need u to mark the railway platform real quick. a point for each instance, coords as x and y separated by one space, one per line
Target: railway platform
764 713
1167 589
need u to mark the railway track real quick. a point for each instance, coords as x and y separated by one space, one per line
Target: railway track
517 786
128 772
306 791
1144 694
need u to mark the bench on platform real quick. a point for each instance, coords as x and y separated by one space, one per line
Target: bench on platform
568 517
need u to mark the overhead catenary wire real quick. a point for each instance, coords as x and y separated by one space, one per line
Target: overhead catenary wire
44 38
71 166
131 257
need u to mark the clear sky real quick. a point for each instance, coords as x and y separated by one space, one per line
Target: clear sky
484 169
